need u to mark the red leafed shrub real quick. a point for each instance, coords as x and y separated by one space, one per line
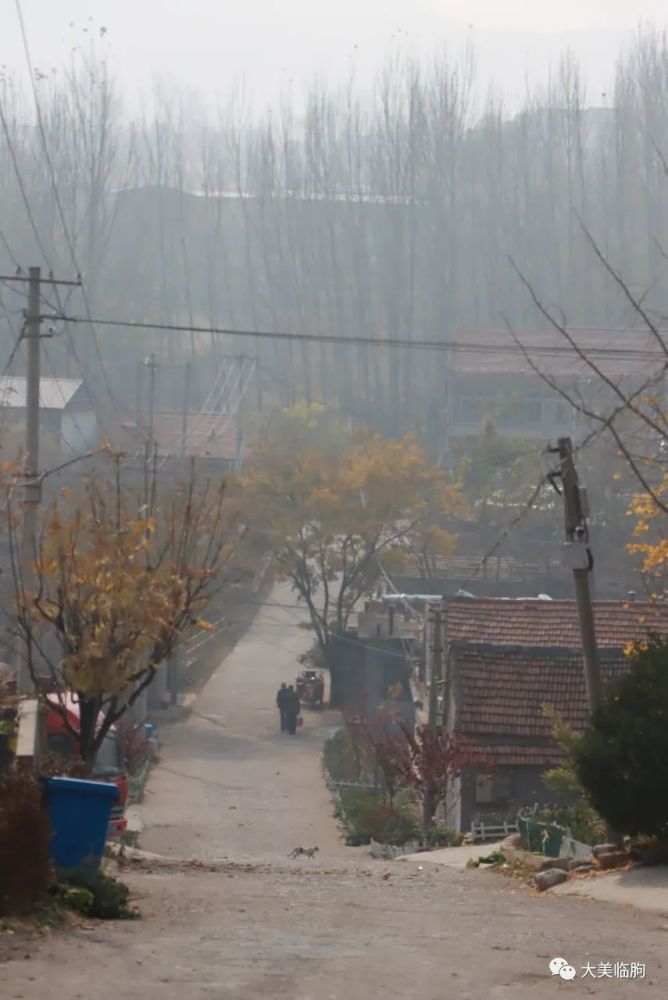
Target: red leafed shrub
432 761
24 844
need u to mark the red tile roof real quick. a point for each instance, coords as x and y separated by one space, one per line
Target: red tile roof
208 435
508 622
500 696
523 756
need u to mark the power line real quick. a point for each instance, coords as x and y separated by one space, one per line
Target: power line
5 243
61 213
19 181
620 354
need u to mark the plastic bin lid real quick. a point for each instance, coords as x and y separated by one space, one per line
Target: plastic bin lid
81 786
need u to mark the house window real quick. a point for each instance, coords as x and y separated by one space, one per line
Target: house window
492 789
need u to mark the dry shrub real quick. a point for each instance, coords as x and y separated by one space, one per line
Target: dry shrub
24 844
56 766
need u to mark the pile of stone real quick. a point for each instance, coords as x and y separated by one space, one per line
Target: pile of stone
554 871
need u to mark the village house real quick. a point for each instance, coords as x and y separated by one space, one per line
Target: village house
376 657
494 381
213 438
504 661
65 410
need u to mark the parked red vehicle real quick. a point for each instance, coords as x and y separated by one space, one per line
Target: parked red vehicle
108 765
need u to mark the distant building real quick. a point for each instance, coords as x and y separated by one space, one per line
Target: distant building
214 439
494 381
504 660
65 409
498 576
213 436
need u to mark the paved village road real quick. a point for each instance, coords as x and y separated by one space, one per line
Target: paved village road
229 783
344 927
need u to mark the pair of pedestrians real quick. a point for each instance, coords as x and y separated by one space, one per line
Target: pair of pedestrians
288 703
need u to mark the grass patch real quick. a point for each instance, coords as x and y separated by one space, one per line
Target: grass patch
93 894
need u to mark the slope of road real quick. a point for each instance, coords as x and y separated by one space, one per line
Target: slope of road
344 927
229 783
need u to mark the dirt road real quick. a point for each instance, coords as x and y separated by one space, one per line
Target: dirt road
258 926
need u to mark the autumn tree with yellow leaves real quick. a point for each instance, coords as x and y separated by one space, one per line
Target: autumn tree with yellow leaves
341 506
118 575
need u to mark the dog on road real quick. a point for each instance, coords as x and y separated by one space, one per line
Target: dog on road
308 852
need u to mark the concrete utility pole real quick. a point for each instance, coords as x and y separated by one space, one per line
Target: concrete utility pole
578 558
32 491
436 673
152 366
33 487
184 412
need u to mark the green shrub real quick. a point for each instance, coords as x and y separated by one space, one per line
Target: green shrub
366 817
94 894
621 758
443 836
339 758
24 844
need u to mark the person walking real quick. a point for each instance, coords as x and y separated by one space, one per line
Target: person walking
293 706
282 704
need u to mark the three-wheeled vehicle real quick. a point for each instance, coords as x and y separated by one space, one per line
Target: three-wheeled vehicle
310 687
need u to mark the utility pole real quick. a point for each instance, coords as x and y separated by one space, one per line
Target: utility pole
436 672
152 366
578 558
32 490
33 487
184 413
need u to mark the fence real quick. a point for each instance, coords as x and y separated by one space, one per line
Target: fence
543 838
550 839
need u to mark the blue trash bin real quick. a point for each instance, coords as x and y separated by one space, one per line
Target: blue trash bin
79 814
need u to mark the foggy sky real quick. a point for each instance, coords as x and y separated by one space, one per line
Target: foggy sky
278 45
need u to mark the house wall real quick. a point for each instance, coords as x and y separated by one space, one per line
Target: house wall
78 430
362 674
526 788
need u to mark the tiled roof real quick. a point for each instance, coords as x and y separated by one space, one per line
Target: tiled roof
501 694
617 353
54 393
469 568
509 622
524 756
208 435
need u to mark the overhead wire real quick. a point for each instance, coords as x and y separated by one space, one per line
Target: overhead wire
473 347
10 253
68 239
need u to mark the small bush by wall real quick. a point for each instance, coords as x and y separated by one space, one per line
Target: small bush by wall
24 844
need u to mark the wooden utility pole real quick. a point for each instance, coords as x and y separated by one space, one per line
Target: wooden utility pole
578 558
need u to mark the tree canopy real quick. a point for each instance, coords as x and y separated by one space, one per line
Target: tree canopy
337 512
118 575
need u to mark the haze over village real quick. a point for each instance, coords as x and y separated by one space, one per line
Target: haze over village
333 432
